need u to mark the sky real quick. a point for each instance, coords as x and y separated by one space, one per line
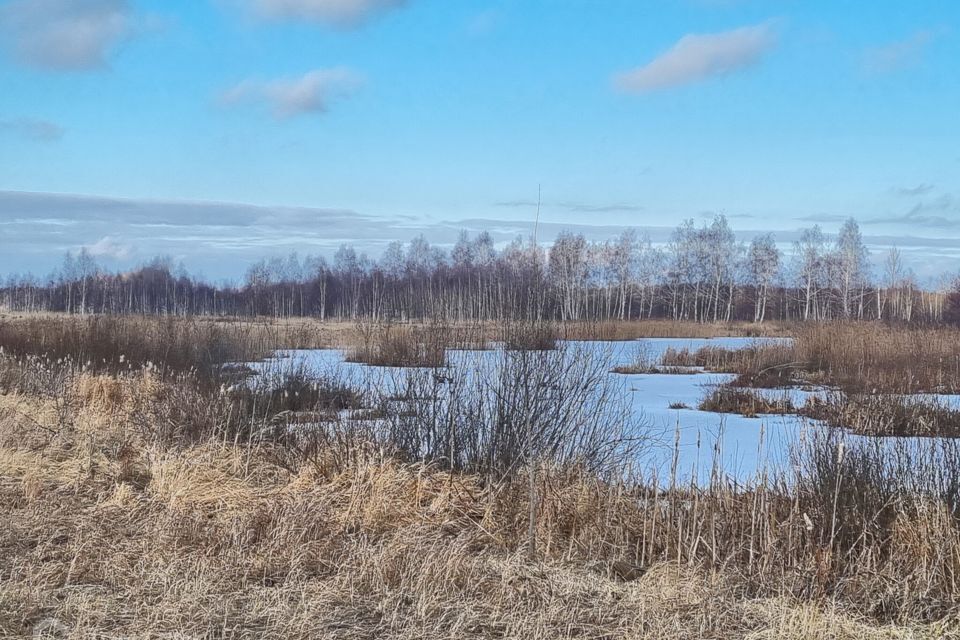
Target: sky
222 131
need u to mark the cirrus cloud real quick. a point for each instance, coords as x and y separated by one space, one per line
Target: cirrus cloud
696 57
289 97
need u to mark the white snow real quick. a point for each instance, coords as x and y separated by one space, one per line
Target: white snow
693 440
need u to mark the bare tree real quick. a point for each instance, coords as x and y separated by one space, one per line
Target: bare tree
851 267
893 274
810 259
723 252
696 276
625 261
763 266
86 270
568 266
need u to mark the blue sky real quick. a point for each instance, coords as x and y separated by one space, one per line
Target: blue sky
220 131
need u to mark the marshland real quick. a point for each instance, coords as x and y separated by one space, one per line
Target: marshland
254 477
500 319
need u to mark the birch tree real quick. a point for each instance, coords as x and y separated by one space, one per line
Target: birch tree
851 267
763 266
810 258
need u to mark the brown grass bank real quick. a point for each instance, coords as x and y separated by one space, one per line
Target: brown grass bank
111 531
885 415
138 503
853 357
637 329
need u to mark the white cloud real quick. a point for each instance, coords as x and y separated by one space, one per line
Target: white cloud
32 128
108 247
220 237
337 13
899 55
64 34
288 97
697 57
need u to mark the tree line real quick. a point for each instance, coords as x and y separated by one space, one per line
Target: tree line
702 274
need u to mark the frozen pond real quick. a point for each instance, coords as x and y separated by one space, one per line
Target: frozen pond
662 406
686 437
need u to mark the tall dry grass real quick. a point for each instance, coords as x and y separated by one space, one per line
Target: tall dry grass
853 357
388 344
885 414
119 344
109 534
881 358
141 504
638 329
114 531
392 345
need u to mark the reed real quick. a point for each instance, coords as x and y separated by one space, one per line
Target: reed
391 345
638 329
885 414
110 532
141 502
748 403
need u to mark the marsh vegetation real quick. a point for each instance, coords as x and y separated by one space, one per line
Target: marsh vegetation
162 477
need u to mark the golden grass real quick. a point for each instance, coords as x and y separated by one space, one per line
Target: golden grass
380 550
110 531
108 534
746 402
638 329
859 357
389 345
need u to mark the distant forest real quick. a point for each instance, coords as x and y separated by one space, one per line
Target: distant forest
702 274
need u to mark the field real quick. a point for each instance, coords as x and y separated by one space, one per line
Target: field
149 492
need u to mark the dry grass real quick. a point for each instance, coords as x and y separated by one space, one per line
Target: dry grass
750 404
426 345
885 415
643 360
638 329
113 533
390 345
135 505
853 357
877 358
218 546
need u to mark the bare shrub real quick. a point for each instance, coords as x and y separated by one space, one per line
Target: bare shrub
494 412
